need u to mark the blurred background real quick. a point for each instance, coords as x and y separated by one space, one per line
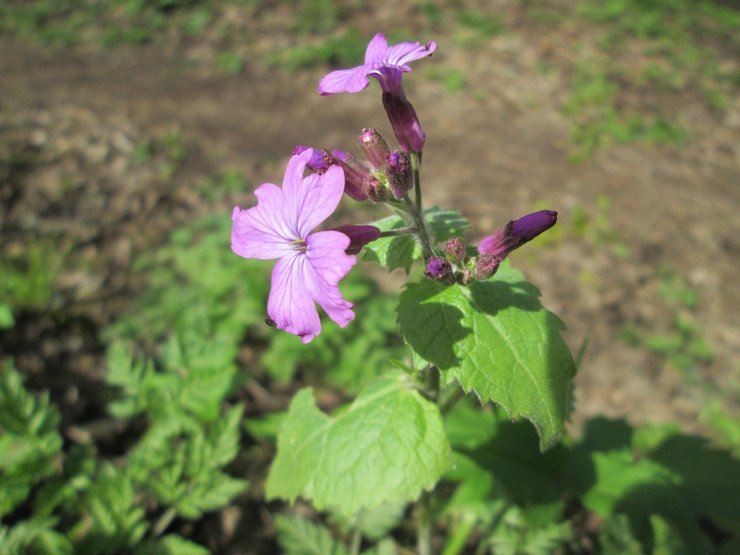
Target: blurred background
130 128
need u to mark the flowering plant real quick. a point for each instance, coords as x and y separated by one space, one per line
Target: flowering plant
473 324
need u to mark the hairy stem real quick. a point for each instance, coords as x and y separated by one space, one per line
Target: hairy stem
415 165
422 233
424 524
397 232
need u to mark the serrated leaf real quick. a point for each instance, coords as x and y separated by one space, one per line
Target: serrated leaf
389 446
298 536
37 536
171 544
401 251
496 339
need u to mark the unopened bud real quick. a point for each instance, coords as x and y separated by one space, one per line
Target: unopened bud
374 147
455 249
487 265
398 172
464 276
373 189
359 236
354 173
405 123
318 163
440 269
530 226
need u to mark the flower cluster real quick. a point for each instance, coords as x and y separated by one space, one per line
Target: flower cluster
310 264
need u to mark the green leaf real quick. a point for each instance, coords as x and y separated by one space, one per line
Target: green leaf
401 251
171 544
6 316
298 536
36 536
385 547
388 446
496 339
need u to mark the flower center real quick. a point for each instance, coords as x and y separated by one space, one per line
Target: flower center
299 245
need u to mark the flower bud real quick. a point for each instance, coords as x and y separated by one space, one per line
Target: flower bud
359 236
517 232
374 147
455 249
530 226
440 269
398 172
404 122
354 173
487 265
373 189
318 163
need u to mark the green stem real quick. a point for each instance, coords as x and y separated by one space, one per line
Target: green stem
415 165
450 400
356 539
422 233
397 232
424 525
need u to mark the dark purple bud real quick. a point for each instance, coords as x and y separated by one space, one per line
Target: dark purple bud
359 236
455 249
354 173
317 163
487 265
517 232
373 189
398 172
440 269
374 147
404 122
530 226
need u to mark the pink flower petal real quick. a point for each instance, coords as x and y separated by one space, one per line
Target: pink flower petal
260 232
376 49
327 265
344 80
290 304
310 200
405 52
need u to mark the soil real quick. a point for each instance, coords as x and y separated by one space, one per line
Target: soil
72 118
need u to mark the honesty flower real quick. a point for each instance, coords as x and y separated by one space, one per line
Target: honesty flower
386 63
310 265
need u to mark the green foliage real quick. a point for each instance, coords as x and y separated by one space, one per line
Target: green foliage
28 277
401 251
298 536
198 289
349 357
496 340
680 479
29 440
388 446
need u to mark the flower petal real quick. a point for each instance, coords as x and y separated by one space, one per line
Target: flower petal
260 232
376 49
310 200
327 265
405 52
344 80
291 305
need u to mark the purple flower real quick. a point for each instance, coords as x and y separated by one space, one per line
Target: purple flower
386 63
310 265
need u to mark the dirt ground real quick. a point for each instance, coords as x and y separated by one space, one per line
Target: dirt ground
495 150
